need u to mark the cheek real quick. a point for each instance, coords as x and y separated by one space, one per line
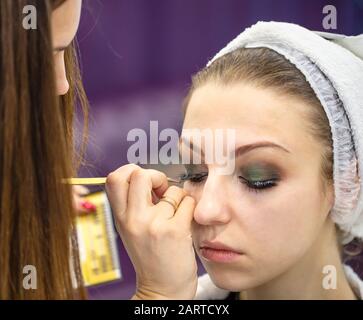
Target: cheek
282 223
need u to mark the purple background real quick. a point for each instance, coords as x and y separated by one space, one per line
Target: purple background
137 59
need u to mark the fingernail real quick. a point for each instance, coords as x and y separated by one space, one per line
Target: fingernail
88 206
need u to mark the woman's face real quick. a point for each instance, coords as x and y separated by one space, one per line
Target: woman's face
272 227
65 21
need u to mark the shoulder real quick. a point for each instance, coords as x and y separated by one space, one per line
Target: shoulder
207 290
354 280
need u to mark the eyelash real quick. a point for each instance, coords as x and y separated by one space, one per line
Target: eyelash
256 186
193 178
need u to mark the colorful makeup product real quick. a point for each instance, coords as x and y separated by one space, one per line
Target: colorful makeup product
99 255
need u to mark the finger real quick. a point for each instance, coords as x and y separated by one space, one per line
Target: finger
117 188
85 207
155 198
82 205
77 205
176 195
184 215
80 190
142 183
160 186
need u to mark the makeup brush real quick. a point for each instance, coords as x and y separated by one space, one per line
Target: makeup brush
97 181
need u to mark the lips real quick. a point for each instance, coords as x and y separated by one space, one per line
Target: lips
216 245
218 252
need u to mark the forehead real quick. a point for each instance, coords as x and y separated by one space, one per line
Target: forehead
251 111
65 21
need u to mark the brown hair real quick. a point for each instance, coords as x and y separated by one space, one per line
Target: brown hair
36 152
266 68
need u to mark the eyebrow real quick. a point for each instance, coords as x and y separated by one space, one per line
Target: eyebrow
262 144
192 146
242 149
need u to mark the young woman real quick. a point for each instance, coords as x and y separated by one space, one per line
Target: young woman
39 89
274 228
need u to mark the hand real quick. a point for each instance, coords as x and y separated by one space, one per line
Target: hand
82 206
158 242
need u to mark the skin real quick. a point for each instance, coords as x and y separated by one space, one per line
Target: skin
284 232
64 25
152 232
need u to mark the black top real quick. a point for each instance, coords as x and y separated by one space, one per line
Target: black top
232 296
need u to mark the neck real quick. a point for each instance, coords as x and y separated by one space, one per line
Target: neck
305 280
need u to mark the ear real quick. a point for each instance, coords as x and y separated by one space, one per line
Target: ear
330 194
327 196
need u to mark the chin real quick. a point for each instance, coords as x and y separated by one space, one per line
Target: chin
231 280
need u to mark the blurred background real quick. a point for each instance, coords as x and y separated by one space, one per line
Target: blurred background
138 56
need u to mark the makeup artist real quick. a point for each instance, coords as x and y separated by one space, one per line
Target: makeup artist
39 89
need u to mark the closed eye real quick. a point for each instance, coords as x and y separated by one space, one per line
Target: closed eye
258 185
194 178
197 178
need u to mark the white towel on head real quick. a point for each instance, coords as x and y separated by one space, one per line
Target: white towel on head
342 67
353 43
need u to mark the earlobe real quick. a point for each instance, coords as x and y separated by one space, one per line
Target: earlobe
62 85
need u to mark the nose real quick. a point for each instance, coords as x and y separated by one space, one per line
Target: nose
213 202
61 81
